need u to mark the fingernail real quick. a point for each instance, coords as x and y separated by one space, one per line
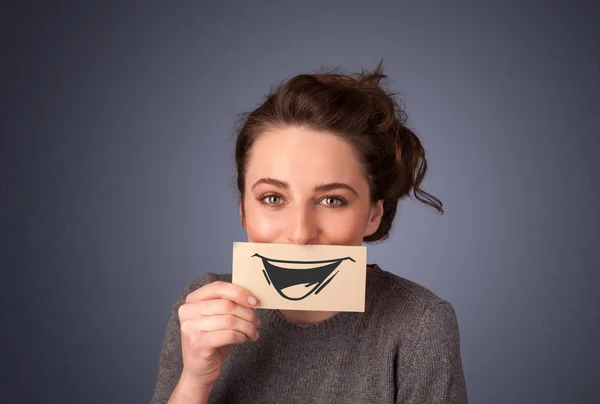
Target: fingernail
252 300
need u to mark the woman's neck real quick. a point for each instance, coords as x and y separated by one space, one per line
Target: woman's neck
305 318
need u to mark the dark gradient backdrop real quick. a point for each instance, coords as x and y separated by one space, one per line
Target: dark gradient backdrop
116 177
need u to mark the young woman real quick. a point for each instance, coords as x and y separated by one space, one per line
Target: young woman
324 160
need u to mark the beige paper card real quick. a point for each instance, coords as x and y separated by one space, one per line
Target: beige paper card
302 277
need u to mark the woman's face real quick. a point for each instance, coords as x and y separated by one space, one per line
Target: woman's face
307 187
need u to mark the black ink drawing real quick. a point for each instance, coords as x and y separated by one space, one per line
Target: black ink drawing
291 280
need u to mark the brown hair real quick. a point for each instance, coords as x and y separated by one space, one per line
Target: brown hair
358 109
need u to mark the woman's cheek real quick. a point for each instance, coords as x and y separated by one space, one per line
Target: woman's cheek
343 229
262 228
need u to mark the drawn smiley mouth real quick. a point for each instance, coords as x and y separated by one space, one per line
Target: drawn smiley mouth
291 283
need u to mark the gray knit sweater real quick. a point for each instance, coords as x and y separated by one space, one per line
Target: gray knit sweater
403 349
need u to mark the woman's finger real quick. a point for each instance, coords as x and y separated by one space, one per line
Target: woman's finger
223 322
217 307
221 338
222 290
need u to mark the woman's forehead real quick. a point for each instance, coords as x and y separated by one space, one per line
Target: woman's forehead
302 156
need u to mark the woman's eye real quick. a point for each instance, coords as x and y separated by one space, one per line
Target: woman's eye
333 201
272 200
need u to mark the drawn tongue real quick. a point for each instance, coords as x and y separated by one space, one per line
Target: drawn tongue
296 291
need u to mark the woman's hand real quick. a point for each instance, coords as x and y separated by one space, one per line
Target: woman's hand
213 318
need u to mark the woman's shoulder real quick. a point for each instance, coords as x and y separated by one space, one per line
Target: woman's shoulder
405 289
404 301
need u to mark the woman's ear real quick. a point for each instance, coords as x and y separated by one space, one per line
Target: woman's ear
374 218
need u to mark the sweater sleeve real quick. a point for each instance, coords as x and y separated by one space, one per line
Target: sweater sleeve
433 374
170 362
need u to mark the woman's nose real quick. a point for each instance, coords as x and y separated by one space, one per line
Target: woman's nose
302 227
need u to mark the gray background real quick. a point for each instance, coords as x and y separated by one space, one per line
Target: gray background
116 177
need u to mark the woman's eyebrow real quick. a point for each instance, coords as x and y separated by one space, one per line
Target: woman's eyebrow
271 181
319 188
335 185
